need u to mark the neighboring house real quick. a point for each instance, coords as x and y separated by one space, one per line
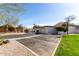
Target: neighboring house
45 29
11 29
73 29
20 28
61 27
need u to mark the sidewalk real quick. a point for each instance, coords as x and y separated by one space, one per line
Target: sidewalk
14 49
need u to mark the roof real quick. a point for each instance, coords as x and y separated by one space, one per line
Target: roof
8 25
62 23
45 26
48 26
73 25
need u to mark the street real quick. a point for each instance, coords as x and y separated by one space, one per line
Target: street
17 36
42 45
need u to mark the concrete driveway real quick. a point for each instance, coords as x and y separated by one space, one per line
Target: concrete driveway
42 45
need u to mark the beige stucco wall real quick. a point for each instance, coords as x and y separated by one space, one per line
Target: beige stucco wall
71 29
45 29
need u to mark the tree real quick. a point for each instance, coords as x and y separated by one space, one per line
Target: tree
35 26
61 26
20 28
8 14
69 18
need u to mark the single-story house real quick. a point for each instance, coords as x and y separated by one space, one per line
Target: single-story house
11 28
45 29
72 28
20 29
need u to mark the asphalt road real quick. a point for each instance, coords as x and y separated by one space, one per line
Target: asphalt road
42 45
17 36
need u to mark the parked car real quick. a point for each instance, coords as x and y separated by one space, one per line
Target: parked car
26 31
37 32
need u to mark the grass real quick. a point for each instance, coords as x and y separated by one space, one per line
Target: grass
69 46
1 40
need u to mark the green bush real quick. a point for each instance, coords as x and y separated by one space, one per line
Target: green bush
1 41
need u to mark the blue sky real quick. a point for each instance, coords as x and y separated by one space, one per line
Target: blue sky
47 14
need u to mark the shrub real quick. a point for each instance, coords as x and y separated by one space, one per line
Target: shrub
5 41
1 41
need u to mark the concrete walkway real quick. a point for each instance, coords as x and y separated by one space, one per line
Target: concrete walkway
14 49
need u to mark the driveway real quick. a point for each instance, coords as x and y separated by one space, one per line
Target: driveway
42 45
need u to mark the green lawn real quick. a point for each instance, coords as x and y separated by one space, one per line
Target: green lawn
69 46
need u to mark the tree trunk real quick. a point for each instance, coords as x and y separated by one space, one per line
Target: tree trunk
7 29
67 26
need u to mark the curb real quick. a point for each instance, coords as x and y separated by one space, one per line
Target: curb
27 49
53 53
